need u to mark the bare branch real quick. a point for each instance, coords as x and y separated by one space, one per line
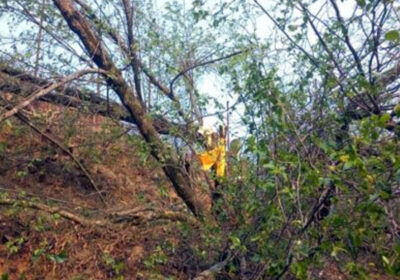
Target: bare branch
45 91
66 45
322 41
39 38
114 36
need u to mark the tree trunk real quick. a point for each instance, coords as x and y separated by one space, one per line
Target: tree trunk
170 163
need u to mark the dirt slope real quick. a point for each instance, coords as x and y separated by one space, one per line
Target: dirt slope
35 244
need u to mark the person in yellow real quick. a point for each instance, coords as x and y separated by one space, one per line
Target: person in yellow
215 155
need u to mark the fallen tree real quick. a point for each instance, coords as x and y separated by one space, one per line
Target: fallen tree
21 83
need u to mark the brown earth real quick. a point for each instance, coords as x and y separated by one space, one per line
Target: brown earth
38 245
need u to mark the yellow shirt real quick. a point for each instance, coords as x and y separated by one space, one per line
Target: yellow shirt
215 157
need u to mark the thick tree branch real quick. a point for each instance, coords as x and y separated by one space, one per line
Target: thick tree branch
45 91
133 56
20 83
170 163
135 217
112 34
53 210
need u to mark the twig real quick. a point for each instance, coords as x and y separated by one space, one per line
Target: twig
313 60
39 39
212 61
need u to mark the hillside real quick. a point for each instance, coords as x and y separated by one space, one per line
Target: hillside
38 243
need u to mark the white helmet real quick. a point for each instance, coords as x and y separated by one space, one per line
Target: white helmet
206 130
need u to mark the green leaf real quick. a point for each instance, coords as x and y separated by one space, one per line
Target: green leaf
9 124
235 242
4 276
269 165
56 216
348 165
384 195
37 253
383 120
58 258
393 36
398 176
119 267
361 3
336 250
3 147
396 110
21 173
